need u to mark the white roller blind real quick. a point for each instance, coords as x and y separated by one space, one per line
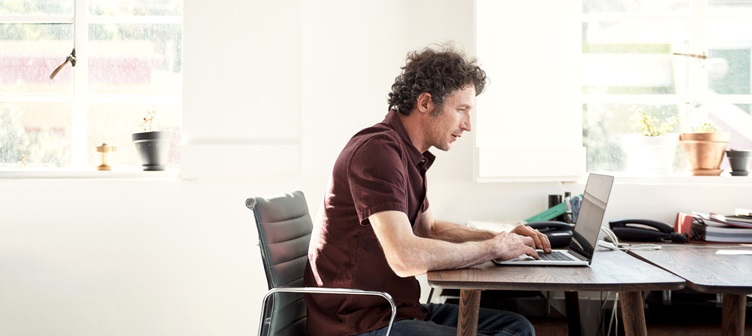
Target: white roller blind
529 119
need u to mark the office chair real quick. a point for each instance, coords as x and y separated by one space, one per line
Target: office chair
284 226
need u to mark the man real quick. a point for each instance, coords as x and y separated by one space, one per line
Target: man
376 231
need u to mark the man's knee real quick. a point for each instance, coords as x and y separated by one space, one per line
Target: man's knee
495 322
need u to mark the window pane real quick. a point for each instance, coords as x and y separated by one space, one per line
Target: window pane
139 59
133 58
723 6
36 7
34 135
604 127
636 31
729 70
729 58
114 123
136 7
636 6
28 55
631 57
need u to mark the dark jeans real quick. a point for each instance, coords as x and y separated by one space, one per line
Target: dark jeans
442 320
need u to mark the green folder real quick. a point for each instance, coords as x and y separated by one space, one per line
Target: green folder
549 214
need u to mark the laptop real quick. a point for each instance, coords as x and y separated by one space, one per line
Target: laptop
585 234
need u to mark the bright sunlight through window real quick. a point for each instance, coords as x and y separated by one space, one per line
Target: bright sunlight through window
127 62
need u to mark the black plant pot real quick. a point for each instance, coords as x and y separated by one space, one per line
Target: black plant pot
154 149
739 161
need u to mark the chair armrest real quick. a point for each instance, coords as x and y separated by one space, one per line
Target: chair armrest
336 291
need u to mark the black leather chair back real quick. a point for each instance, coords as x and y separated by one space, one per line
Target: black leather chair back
284 228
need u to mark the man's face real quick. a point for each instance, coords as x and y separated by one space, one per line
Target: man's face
453 119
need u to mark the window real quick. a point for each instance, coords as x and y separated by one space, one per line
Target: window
672 58
127 62
568 79
528 119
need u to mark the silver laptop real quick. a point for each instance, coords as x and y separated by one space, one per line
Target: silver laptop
586 230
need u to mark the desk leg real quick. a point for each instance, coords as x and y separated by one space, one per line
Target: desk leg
633 313
734 311
572 301
469 308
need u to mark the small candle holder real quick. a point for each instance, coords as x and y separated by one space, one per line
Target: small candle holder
105 153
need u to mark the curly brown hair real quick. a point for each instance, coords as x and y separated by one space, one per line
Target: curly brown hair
439 72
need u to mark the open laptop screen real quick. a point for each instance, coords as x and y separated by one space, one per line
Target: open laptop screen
590 218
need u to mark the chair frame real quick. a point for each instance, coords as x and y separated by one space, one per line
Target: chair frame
267 310
326 290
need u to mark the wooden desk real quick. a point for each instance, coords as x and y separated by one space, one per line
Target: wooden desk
610 271
708 272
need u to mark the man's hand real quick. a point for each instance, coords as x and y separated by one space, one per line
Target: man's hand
540 239
522 240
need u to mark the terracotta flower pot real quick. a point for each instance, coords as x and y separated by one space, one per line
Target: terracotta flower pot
704 151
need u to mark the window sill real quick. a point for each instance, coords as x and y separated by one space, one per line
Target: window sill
127 174
625 178
723 179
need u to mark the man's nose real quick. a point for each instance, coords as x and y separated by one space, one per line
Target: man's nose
466 125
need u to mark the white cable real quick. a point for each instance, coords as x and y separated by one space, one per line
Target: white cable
613 317
649 247
615 244
600 311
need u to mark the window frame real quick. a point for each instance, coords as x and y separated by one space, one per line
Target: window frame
696 93
698 16
80 97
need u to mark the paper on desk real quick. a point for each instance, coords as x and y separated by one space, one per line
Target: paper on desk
734 252
493 226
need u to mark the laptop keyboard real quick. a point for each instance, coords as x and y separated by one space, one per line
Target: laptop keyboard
554 255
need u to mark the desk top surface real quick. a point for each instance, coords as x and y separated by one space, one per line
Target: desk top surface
609 271
704 269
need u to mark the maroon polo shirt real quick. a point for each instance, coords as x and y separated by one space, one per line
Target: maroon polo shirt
378 170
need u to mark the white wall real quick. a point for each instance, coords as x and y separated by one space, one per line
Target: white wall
172 256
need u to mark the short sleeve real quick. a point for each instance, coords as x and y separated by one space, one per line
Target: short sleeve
377 176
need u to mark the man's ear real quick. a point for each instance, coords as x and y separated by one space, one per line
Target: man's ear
425 103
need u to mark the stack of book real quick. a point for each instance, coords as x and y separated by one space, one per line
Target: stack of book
736 228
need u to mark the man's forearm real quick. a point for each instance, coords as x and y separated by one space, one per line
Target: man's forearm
411 251
456 233
425 254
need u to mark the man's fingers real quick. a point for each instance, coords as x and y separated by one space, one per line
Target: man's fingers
541 241
528 241
546 246
538 239
518 245
531 252
530 245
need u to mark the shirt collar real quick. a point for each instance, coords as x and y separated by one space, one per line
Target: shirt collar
416 157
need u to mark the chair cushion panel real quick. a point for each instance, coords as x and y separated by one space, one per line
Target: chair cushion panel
284 227
295 328
290 302
289 310
287 229
285 274
288 250
282 207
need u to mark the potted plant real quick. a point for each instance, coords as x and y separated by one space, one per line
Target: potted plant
651 152
739 161
704 146
153 146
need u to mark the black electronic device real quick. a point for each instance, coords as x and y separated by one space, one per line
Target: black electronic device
559 233
645 230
